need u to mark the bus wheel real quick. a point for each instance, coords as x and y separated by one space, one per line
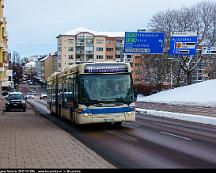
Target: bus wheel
118 124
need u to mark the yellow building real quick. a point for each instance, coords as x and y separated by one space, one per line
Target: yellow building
47 64
3 48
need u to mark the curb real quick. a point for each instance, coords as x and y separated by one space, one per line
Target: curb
179 116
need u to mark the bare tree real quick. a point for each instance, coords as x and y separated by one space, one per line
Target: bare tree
200 18
16 58
157 70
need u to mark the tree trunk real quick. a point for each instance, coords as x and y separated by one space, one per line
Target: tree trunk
189 78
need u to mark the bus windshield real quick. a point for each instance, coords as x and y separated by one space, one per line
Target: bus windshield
106 88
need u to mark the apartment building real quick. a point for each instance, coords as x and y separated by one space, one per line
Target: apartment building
5 78
138 68
29 68
47 64
84 45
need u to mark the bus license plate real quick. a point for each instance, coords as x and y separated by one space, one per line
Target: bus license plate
109 119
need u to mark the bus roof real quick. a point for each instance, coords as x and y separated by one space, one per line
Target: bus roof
90 68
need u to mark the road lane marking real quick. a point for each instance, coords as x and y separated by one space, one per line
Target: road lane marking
175 135
131 124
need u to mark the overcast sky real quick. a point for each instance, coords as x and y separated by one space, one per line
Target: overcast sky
34 24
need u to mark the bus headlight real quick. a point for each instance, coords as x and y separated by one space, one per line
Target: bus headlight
86 115
129 113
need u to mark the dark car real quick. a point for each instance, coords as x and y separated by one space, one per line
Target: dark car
15 100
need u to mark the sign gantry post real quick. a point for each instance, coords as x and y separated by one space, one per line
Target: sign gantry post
184 44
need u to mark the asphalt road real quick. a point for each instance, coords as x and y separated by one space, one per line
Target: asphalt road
150 142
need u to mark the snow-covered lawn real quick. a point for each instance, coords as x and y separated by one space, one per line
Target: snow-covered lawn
200 94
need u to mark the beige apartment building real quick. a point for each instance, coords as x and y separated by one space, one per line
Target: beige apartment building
4 73
83 45
47 64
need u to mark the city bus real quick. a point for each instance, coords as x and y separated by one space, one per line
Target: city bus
93 93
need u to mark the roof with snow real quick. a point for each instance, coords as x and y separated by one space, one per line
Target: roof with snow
30 64
96 33
44 58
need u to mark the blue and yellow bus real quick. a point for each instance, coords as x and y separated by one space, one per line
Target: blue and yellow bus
93 93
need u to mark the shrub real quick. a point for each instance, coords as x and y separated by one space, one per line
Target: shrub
147 89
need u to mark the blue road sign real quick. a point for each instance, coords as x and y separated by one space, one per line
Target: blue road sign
183 44
144 42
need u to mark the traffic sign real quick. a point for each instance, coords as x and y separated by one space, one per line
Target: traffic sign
208 50
183 43
144 42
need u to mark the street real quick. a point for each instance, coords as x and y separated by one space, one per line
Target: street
148 143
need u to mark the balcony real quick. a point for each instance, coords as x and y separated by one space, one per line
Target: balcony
1 20
79 44
1 44
79 52
5 34
90 44
118 52
89 52
90 60
79 61
119 44
1 69
118 60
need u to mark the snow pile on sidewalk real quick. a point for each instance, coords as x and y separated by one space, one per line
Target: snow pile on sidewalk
200 94
179 116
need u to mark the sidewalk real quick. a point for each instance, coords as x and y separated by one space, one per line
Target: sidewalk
199 114
30 141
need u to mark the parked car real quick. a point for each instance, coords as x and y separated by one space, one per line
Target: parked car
43 95
15 100
30 95
5 93
30 83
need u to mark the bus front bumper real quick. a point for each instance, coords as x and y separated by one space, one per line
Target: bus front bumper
103 118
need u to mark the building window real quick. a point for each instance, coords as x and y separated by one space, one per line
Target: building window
70 49
138 72
138 65
119 41
109 49
99 41
137 57
70 41
70 56
109 41
128 56
118 56
99 56
70 63
138 80
109 57
99 48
